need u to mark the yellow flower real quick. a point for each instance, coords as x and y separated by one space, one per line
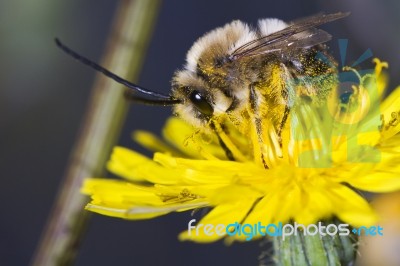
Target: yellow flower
326 154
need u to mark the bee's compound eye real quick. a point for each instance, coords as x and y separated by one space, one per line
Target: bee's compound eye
201 103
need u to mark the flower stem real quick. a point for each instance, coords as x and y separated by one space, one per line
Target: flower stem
101 127
305 250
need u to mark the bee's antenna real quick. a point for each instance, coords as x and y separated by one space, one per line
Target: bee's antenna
111 75
131 96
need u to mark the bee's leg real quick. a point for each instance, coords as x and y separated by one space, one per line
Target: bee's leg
283 122
257 123
286 112
231 151
227 151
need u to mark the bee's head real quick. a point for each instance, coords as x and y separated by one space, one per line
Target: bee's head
211 84
204 86
198 101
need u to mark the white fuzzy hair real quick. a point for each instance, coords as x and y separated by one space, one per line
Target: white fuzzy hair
267 26
238 31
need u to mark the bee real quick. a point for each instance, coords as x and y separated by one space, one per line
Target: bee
246 76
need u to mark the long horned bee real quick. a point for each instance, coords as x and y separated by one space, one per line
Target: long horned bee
245 75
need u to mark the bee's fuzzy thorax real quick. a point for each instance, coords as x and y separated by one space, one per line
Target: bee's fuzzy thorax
219 42
270 25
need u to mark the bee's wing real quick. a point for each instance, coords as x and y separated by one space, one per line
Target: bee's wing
300 40
301 34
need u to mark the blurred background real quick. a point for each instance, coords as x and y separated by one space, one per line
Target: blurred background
43 96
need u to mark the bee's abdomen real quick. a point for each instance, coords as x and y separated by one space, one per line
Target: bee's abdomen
313 73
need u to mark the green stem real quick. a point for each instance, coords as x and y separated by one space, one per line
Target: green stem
306 250
100 130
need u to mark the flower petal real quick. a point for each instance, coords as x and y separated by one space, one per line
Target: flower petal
136 167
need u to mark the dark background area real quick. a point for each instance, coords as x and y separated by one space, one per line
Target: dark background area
43 96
